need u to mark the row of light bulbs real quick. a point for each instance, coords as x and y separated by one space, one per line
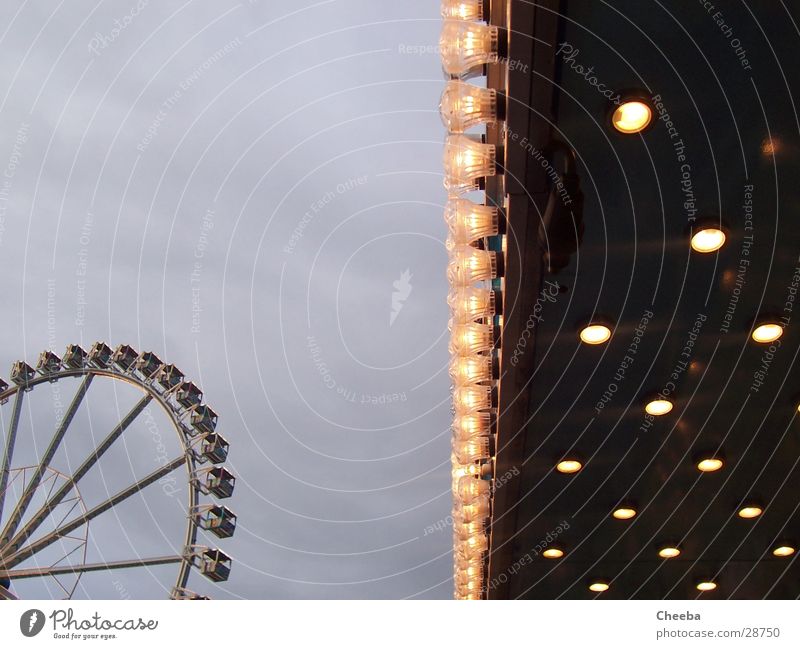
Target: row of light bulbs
467 44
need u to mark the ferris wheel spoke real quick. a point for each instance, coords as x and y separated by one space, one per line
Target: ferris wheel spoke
52 571
8 453
33 485
23 554
6 594
40 516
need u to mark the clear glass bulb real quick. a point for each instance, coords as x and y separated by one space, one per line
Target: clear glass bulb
472 398
471 450
466 160
469 265
467 45
471 338
468 222
471 548
471 487
475 368
465 106
471 303
477 510
470 425
462 9
463 531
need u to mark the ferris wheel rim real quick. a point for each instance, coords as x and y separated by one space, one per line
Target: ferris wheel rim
191 553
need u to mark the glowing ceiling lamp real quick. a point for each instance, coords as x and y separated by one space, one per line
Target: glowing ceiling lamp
467 161
595 334
710 464
465 106
466 46
669 552
784 551
569 466
659 406
632 116
767 331
624 513
707 239
469 222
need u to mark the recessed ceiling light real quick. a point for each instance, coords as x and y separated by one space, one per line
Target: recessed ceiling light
708 240
631 117
624 513
595 334
669 552
750 511
658 407
553 553
784 551
569 466
767 332
599 586
709 464
706 585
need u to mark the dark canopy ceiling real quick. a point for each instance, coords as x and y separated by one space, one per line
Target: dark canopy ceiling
734 142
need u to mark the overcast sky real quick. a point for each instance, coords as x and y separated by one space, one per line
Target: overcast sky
242 188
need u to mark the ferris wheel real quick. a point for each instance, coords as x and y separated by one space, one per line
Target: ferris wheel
46 517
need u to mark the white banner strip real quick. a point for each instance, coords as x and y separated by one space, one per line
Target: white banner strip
400 624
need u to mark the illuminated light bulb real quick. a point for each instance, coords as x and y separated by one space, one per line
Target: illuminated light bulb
473 547
472 425
632 117
471 303
471 369
599 586
463 9
469 265
468 222
767 332
708 240
710 464
466 46
553 553
595 334
569 466
705 586
784 551
658 407
464 531
471 398
624 513
471 338
464 106
750 511
669 552
469 571
471 450
477 510
466 161
470 488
